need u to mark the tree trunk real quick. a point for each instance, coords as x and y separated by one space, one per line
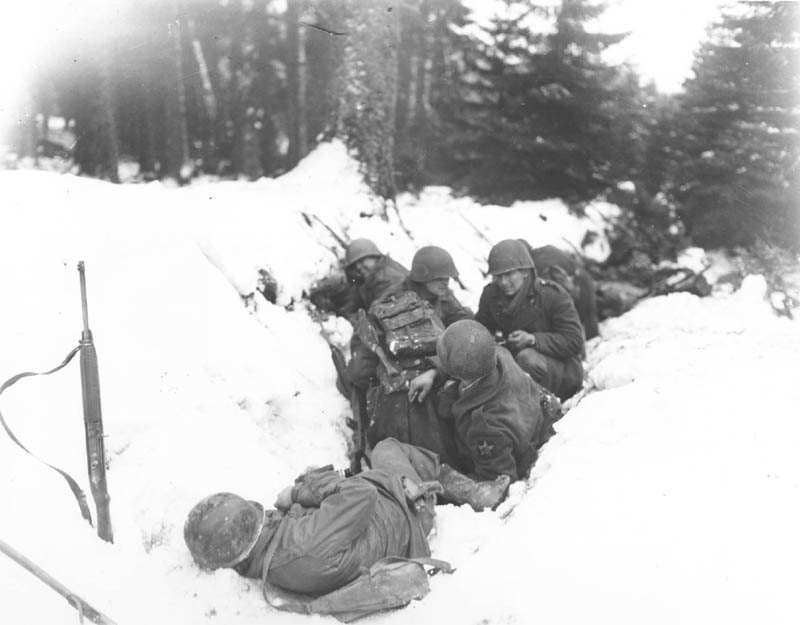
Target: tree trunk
246 145
367 91
297 82
209 100
409 22
146 135
96 144
27 133
421 75
176 163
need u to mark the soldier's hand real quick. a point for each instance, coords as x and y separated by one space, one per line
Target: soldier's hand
420 386
520 339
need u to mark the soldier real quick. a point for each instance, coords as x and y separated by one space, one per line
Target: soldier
557 265
420 309
374 273
326 529
500 415
431 270
535 318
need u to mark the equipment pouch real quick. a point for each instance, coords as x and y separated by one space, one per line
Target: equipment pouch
410 324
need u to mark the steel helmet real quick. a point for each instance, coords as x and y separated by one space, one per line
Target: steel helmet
508 255
432 263
222 530
466 350
358 249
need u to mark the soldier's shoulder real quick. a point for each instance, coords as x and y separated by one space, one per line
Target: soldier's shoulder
490 290
551 287
392 264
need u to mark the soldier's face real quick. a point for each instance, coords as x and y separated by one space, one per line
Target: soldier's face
366 266
438 287
510 282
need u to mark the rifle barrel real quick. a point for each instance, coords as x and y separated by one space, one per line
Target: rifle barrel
85 308
83 607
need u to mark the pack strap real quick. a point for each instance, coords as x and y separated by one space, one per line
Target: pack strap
80 496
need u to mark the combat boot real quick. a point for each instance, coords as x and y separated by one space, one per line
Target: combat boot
460 489
551 407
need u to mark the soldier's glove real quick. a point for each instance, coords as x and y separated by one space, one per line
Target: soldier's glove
314 486
420 495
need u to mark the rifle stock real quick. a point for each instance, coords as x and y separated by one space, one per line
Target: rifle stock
93 422
367 333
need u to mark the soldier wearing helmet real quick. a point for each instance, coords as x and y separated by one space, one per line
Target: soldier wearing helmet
431 270
409 414
372 273
500 415
326 529
557 265
535 317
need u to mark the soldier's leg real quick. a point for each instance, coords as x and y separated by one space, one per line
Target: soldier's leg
427 430
392 456
388 415
587 304
543 369
422 465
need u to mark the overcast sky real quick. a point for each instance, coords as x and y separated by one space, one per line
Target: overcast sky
663 33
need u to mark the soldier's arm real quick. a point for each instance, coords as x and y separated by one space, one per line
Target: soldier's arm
313 487
587 304
342 516
453 310
491 449
566 338
483 316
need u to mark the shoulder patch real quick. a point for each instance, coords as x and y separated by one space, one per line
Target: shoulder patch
485 449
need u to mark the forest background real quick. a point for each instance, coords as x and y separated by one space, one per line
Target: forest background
526 105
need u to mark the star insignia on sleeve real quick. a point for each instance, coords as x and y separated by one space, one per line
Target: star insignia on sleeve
485 449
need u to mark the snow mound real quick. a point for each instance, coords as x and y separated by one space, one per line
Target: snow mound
651 490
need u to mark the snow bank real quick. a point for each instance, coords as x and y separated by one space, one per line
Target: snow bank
668 496
643 508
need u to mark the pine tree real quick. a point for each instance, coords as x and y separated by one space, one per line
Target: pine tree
740 148
546 115
428 59
91 106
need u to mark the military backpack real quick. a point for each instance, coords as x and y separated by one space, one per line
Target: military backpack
410 325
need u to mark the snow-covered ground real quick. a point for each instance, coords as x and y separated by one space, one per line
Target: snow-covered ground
670 493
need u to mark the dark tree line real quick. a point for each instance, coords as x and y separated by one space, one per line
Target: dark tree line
524 108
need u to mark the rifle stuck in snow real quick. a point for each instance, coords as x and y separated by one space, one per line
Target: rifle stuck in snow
93 421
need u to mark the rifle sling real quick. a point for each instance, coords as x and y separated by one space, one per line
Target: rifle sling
80 496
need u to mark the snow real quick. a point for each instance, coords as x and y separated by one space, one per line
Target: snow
668 495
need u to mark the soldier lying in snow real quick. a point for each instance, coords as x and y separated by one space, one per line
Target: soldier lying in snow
326 529
536 318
